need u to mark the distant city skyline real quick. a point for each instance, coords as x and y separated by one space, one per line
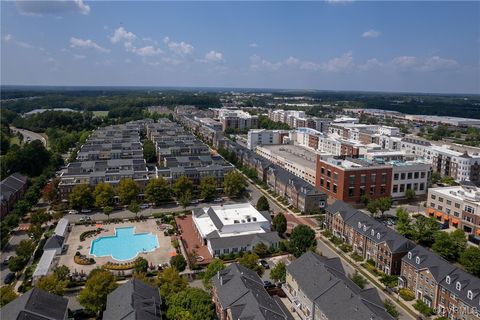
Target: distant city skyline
431 47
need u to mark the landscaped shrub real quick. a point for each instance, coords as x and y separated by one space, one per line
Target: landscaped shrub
336 240
355 256
371 268
389 281
345 247
119 266
327 233
423 308
82 260
89 233
406 294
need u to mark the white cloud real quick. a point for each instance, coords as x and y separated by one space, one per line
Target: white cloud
340 63
81 43
253 45
404 61
310 66
79 56
147 51
258 63
214 56
7 37
292 61
122 35
24 45
436 63
54 7
370 64
179 48
371 34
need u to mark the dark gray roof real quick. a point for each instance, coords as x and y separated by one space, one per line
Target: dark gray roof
215 219
54 242
12 184
36 304
133 300
343 208
437 266
241 290
289 178
467 282
325 283
416 141
268 238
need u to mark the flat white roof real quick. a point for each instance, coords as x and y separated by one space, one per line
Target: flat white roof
44 264
61 227
460 193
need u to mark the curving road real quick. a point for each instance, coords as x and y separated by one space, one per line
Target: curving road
29 135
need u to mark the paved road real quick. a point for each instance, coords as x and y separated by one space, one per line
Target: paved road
29 134
10 251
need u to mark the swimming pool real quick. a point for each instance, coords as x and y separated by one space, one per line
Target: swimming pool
124 245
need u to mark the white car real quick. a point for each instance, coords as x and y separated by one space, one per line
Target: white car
72 212
86 210
144 206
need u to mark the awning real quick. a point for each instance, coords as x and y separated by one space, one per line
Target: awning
173 253
478 232
438 214
454 221
445 217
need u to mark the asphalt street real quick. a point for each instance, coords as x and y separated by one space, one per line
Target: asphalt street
10 251
29 135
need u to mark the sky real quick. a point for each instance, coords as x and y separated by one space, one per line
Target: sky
399 46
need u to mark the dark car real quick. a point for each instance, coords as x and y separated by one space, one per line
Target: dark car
268 284
9 278
264 264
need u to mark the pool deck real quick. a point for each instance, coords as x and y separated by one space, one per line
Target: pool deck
159 256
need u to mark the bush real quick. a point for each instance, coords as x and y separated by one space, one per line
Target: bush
336 240
345 247
81 260
327 233
359 280
355 256
406 294
178 262
391 309
389 281
89 233
423 308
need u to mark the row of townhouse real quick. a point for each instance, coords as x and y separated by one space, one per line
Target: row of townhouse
177 148
12 188
110 150
451 291
301 194
368 237
207 129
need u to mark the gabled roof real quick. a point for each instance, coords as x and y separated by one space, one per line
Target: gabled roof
298 183
325 284
343 208
12 184
217 242
467 283
241 290
133 300
54 242
36 304
437 266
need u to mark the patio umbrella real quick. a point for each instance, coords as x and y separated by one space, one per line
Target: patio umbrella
99 225
173 253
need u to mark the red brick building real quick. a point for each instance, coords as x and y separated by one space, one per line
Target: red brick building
349 179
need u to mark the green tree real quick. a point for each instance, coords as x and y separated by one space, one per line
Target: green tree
185 199
149 152
25 249
212 269
178 262
278 273
208 188
7 294
448 180
52 284
182 186
262 204
103 194
171 282
301 239
17 263
62 272
250 261
234 184
372 207
279 223
424 230
157 191
81 197
94 295
470 259
134 207
391 309
261 250
141 265
195 301
107 211
384 204
404 226
359 280
128 190
410 194
450 246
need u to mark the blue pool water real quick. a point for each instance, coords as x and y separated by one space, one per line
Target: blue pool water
124 245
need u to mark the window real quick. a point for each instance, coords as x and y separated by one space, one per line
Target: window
470 294
372 190
383 189
448 280
395 176
384 178
321 181
329 173
417 260
449 202
362 179
226 250
457 205
373 178
351 192
440 207
440 199
322 170
409 175
335 176
456 214
334 188
433 196
402 176
402 188
328 185
416 175
409 255
422 186
469 209
422 175
372 232
395 188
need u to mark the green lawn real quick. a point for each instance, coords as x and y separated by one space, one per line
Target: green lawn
100 114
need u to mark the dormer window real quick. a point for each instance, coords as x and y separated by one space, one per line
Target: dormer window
470 294
359 225
448 280
417 260
409 255
372 232
378 235
364 228
458 285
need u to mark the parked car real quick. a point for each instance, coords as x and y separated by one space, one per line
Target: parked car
144 206
9 278
218 200
264 264
72 212
268 284
7 259
195 202
86 211
85 218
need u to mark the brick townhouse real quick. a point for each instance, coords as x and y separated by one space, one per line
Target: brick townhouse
368 237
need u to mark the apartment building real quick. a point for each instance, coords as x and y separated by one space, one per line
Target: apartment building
296 160
12 188
368 237
265 137
238 293
411 175
232 119
450 291
459 165
418 147
319 288
350 179
457 206
177 148
111 150
109 171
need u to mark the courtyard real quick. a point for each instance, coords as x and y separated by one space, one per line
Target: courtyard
160 255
